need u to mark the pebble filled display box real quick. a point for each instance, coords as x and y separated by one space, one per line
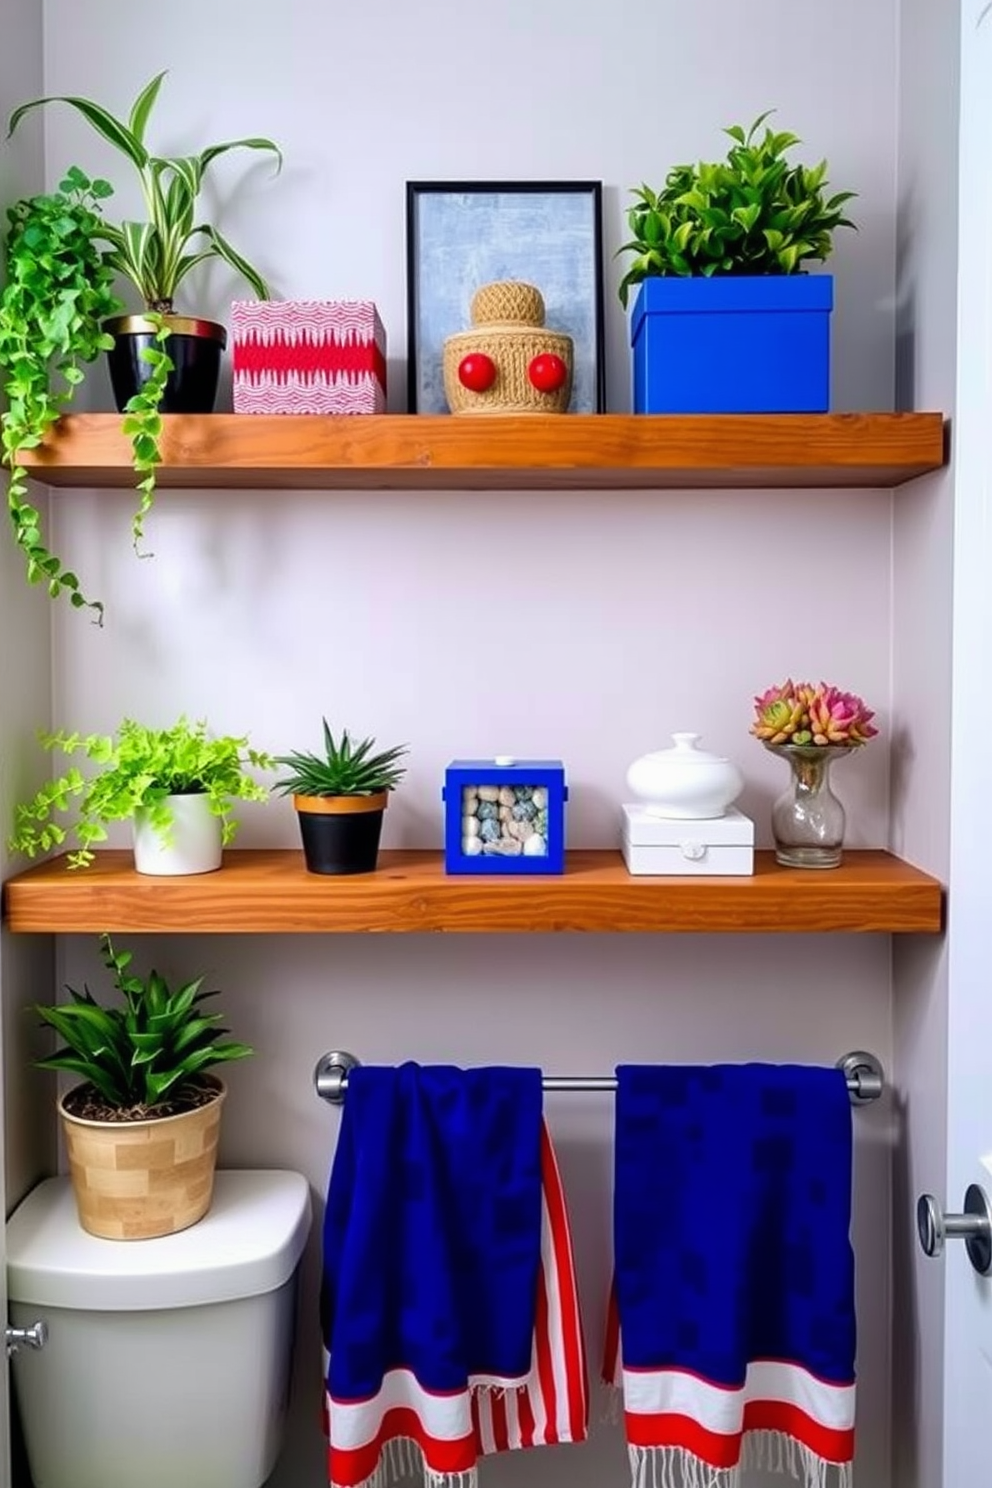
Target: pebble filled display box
504 815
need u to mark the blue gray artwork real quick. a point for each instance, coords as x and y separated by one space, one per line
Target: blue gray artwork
467 239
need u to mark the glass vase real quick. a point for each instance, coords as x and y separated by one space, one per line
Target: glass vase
807 819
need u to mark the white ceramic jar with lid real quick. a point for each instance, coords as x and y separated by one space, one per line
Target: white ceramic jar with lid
685 783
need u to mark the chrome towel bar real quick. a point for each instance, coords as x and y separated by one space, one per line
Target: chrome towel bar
864 1073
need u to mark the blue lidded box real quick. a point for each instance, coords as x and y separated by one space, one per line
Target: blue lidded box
734 344
504 815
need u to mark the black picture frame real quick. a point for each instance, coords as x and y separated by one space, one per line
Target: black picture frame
435 209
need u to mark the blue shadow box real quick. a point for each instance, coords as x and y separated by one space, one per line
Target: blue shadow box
504 815
749 344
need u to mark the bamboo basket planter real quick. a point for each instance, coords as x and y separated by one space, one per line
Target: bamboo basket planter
135 1180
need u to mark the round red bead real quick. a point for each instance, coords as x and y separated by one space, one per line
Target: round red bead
547 372
477 372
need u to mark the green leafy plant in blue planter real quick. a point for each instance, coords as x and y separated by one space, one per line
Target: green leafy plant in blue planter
753 213
731 240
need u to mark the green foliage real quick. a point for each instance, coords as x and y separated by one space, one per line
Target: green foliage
143 423
345 769
58 292
157 254
753 213
144 1051
137 769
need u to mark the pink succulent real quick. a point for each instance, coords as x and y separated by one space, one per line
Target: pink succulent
779 714
799 713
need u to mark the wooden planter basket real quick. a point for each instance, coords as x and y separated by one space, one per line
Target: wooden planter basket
134 1180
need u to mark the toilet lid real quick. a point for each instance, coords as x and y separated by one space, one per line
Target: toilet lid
248 1243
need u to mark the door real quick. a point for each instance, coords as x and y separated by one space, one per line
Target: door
968 1296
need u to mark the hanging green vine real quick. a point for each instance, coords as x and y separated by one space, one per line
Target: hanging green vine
143 425
57 294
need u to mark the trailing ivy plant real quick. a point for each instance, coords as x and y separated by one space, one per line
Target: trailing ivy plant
157 254
58 291
752 213
136 770
57 294
143 424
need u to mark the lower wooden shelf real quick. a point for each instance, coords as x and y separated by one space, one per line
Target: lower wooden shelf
270 891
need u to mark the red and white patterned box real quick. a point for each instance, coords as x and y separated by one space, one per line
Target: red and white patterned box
308 356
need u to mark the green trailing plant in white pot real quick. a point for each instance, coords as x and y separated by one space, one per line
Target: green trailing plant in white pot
176 785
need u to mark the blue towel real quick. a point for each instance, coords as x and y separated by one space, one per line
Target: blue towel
432 1250
734 1273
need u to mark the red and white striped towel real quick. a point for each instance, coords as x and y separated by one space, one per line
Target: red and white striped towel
405 1428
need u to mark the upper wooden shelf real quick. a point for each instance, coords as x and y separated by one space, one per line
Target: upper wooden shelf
270 890
572 452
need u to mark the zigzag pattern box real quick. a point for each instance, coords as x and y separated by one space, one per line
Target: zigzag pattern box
308 356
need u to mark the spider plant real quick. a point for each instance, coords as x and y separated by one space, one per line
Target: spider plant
156 255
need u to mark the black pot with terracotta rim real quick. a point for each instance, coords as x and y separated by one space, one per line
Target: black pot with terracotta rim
341 833
194 347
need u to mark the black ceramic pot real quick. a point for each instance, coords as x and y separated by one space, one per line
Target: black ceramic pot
194 346
341 833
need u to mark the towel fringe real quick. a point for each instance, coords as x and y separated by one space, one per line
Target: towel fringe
403 1458
773 1451
768 1451
675 1467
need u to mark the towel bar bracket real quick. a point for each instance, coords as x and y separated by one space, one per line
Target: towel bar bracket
865 1076
863 1072
330 1077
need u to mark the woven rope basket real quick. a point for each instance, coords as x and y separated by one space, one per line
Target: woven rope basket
508 326
139 1179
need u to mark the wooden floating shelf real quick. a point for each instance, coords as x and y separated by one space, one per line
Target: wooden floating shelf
271 891
570 452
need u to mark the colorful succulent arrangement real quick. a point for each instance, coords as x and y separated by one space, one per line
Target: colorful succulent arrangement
799 713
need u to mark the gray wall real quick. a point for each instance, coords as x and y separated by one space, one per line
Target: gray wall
921 660
26 965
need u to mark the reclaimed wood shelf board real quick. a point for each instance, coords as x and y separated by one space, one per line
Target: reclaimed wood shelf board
269 890
567 452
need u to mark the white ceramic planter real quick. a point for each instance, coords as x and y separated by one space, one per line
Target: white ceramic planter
194 845
685 783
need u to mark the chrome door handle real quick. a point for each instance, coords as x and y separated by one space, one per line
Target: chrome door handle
974 1227
35 1337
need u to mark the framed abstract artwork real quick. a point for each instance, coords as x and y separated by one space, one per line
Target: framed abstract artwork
463 234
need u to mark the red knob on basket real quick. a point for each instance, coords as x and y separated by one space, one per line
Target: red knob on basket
477 372
547 372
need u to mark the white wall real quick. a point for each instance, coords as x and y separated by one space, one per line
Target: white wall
921 660
586 626
26 965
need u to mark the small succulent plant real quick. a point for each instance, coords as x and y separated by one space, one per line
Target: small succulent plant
799 713
345 769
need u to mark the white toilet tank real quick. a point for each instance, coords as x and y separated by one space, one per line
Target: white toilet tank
168 1360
